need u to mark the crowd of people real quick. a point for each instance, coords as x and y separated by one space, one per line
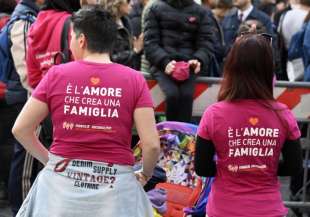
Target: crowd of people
71 90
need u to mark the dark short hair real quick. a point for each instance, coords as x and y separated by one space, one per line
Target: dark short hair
98 27
62 5
248 70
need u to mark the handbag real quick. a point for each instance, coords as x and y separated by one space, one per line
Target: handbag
295 69
295 66
181 71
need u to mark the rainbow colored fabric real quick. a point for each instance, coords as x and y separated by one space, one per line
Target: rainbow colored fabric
177 155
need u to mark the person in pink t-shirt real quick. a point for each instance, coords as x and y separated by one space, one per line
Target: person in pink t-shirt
93 104
247 130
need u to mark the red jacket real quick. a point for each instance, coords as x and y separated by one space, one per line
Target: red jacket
44 40
2 89
4 20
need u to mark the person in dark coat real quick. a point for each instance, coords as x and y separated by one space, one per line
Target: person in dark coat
127 49
244 11
216 63
177 30
135 16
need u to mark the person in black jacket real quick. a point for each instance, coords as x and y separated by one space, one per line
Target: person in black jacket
216 62
244 10
177 30
135 16
127 49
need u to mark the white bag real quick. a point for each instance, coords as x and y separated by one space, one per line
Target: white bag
295 69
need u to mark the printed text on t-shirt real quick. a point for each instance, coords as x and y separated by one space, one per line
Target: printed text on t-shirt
252 141
93 101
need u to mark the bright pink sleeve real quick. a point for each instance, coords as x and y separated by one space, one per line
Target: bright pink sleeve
144 98
205 129
41 92
293 129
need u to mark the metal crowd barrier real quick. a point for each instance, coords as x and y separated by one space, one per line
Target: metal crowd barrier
296 95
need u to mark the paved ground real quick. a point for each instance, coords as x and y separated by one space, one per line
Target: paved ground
5 211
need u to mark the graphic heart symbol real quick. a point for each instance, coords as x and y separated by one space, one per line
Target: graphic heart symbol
95 80
253 121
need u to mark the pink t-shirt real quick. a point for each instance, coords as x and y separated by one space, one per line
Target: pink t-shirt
92 108
248 137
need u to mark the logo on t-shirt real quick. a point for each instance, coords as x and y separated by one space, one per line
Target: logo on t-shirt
232 168
94 80
67 126
253 120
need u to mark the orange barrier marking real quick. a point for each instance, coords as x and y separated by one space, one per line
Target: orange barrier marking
292 96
